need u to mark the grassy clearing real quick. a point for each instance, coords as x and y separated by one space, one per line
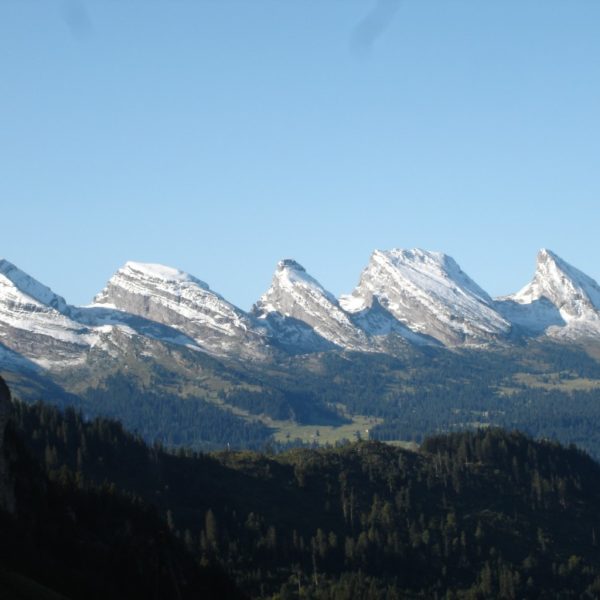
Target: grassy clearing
324 434
557 381
402 444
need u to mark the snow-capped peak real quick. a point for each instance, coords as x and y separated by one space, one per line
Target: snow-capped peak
12 278
161 273
149 279
36 323
295 295
573 293
439 270
179 300
430 294
290 273
291 264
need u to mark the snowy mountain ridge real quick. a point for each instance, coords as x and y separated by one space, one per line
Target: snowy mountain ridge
34 322
403 298
25 285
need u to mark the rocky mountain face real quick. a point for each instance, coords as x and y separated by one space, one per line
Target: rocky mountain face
403 298
187 304
38 329
560 301
429 294
35 322
298 297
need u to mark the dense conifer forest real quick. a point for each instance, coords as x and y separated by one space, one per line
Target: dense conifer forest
480 514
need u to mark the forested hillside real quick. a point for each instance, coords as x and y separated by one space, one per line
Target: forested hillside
484 514
545 389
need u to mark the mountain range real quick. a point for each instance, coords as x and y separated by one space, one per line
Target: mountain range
173 359
406 297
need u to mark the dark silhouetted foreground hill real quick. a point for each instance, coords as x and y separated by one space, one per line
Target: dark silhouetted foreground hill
65 538
486 514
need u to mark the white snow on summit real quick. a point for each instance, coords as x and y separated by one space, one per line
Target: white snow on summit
560 300
565 286
34 321
430 294
403 297
163 273
181 301
294 294
39 326
21 283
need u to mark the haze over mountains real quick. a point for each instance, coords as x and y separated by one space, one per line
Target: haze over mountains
412 297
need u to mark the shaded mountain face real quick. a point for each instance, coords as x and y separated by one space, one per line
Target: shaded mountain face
384 329
560 300
430 295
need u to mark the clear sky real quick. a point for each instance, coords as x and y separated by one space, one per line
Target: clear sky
221 136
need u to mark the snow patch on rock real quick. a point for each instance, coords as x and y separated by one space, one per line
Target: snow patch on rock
430 295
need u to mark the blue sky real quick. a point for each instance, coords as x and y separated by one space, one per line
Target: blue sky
222 136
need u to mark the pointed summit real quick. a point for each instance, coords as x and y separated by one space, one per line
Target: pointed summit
430 294
289 263
19 283
296 296
291 276
573 292
36 323
558 294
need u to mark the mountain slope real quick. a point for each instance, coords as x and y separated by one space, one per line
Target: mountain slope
485 514
35 322
386 332
39 329
429 294
560 300
297 297
412 297
66 534
183 302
